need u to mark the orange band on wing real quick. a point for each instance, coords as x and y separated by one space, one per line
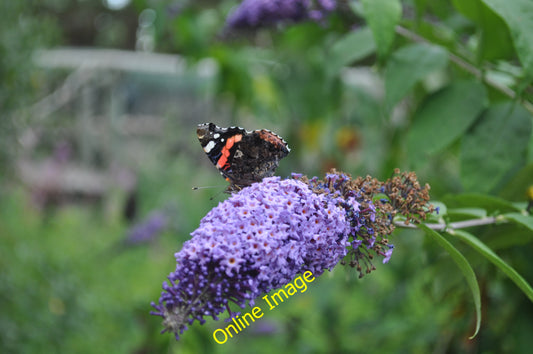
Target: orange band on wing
222 161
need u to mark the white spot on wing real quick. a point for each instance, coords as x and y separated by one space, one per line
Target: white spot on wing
210 145
216 135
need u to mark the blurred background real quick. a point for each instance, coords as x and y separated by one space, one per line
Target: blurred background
99 104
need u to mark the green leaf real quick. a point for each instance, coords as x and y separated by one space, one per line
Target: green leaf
354 46
524 220
507 235
495 38
469 8
382 16
444 117
409 65
468 213
497 145
421 6
465 268
485 251
474 200
518 14
516 188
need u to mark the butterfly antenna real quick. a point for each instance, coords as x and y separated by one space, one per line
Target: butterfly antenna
204 187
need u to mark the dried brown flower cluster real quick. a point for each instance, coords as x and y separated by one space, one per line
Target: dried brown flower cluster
399 195
407 198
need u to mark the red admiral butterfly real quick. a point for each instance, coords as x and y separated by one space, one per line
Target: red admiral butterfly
242 157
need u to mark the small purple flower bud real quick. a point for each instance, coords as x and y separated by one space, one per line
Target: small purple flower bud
327 5
388 254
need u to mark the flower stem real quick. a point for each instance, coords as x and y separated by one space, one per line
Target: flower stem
454 225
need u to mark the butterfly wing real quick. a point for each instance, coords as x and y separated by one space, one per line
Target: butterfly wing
242 157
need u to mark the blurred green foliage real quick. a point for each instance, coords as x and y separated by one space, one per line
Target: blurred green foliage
22 30
357 93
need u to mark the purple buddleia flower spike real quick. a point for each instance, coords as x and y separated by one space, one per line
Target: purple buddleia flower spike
265 235
257 240
148 229
261 13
